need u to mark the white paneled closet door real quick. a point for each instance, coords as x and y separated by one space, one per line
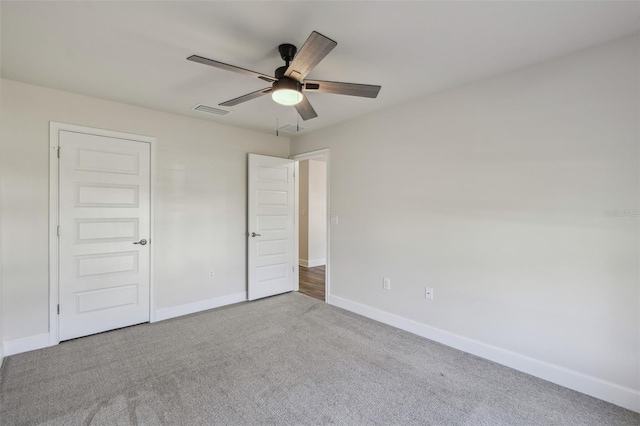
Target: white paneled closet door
104 211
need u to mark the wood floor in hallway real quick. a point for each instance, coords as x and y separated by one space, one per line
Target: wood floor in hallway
312 281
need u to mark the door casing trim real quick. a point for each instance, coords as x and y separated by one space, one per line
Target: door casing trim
54 187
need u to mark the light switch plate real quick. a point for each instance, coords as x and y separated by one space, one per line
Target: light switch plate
428 293
334 219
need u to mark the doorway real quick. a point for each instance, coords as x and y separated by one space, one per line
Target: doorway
274 217
312 182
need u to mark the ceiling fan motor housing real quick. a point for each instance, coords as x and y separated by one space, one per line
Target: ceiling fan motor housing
287 52
286 83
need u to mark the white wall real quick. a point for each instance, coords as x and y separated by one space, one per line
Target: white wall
495 194
200 204
1 334
317 213
303 213
312 183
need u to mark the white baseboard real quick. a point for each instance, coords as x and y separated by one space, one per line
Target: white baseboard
16 346
317 262
190 308
593 386
311 263
26 344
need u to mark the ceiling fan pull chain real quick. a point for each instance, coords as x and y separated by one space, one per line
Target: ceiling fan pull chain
277 122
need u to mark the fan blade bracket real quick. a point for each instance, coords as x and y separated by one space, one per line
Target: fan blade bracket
339 88
296 76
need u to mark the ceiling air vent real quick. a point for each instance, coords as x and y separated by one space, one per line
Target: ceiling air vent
291 128
211 110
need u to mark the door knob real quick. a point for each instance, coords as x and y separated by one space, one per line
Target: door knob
253 234
141 242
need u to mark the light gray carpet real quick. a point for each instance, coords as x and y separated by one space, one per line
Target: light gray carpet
288 360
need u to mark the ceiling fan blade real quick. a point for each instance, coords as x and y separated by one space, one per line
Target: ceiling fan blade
247 97
311 53
351 89
305 109
216 64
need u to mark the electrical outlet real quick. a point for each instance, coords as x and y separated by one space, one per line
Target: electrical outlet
212 273
428 293
386 283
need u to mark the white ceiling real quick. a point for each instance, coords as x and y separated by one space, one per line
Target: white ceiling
134 52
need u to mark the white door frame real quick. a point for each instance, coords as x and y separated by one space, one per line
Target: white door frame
54 188
304 156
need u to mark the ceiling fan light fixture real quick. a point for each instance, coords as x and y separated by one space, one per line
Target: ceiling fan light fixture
286 91
287 97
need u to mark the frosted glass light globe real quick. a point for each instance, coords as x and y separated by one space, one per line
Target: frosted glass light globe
286 96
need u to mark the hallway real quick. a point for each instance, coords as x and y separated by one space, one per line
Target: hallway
312 282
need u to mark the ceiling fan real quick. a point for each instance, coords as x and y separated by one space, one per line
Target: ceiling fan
288 84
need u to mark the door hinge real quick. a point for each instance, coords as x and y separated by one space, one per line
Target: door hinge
58 309
58 231
58 149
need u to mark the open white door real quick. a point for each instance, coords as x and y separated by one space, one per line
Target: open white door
270 227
